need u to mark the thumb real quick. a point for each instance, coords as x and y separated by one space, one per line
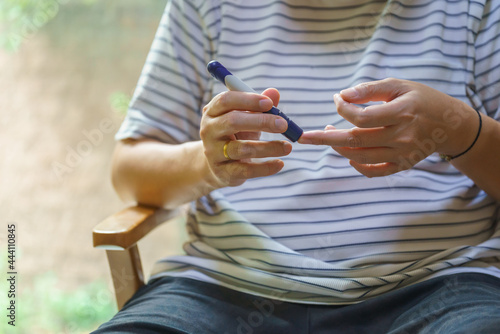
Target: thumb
382 90
273 94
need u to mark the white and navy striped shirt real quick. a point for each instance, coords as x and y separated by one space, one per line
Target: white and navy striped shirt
318 231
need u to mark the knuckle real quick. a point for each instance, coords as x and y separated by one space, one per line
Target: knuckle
262 122
365 88
321 140
354 139
220 101
204 132
229 120
391 80
362 120
207 152
205 108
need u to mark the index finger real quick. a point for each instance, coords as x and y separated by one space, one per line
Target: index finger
231 100
355 137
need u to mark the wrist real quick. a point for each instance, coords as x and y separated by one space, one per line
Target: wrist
464 126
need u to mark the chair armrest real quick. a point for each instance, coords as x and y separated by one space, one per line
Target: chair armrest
118 235
125 228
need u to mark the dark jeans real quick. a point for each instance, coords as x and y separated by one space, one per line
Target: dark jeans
461 303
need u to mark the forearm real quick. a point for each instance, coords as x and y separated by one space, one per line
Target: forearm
158 174
482 162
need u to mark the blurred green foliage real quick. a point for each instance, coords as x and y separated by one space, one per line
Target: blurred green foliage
45 308
119 102
21 19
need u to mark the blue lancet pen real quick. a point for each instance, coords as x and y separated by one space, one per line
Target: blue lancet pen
219 72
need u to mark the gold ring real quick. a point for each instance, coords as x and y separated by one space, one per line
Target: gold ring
225 151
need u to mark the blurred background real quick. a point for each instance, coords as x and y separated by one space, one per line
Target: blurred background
68 69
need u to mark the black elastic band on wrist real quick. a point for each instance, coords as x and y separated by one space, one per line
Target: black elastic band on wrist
449 157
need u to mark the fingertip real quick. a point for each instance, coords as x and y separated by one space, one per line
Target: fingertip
349 93
359 168
281 164
280 124
287 147
339 101
275 166
271 91
375 170
273 94
314 137
304 140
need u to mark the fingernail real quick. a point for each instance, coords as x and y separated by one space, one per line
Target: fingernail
305 141
349 93
266 104
280 124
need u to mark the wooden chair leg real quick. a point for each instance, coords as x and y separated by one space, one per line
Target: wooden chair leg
126 271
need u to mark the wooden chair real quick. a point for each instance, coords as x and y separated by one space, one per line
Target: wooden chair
118 235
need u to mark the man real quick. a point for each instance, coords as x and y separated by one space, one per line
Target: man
295 238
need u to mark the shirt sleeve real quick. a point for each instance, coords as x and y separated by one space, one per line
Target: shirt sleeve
174 85
487 59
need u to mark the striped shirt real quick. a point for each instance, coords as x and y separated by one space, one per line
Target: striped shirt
318 231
